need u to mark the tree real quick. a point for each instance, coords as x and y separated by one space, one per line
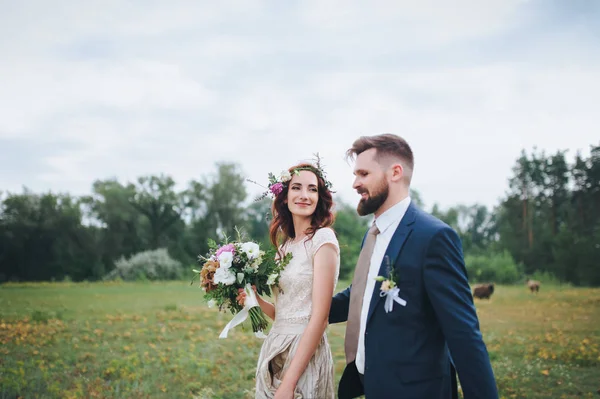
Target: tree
226 195
258 216
350 229
549 226
121 228
202 223
155 198
556 190
43 238
415 196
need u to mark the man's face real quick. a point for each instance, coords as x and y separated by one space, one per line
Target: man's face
370 182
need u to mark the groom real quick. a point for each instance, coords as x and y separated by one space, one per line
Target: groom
412 350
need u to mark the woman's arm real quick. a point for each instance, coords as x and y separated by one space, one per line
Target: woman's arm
267 307
324 266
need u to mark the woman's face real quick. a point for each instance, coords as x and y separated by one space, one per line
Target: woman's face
303 193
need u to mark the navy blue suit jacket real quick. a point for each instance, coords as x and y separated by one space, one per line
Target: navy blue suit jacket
412 351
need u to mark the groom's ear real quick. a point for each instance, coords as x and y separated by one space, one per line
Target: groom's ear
397 172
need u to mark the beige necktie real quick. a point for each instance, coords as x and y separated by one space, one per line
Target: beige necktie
357 292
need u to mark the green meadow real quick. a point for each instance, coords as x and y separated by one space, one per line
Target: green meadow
159 340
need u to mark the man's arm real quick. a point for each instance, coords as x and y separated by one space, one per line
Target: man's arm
340 303
447 287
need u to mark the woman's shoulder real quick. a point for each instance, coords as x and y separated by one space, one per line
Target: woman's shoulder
325 234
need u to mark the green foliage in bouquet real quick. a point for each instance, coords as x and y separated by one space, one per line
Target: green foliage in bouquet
232 266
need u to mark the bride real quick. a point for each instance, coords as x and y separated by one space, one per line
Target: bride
295 360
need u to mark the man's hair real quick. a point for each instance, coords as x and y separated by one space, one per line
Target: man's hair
387 146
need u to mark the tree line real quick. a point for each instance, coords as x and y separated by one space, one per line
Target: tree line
548 222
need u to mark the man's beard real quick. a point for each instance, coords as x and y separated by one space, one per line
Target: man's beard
368 205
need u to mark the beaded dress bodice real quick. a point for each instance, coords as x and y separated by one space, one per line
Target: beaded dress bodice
293 301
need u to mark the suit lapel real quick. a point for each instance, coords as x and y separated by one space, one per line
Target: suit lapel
392 252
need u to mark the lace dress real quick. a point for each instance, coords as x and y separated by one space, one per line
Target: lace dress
293 308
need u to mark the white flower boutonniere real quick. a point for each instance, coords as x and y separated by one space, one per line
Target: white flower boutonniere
389 289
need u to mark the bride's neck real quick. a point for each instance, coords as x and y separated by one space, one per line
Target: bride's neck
300 227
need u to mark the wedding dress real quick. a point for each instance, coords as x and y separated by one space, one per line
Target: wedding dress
293 308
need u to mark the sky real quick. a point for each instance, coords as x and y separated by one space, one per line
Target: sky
103 89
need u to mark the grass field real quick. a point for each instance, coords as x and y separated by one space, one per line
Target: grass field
159 340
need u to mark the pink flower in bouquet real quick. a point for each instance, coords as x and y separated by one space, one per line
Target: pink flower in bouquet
276 188
226 248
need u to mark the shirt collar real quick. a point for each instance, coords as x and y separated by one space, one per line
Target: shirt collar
394 214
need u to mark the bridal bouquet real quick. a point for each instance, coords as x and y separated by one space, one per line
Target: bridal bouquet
231 267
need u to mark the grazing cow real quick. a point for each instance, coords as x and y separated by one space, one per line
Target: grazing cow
533 285
483 291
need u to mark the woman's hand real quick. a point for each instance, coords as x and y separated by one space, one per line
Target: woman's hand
241 298
285 391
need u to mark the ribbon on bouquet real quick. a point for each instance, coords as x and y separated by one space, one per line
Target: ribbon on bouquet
391 297
242 315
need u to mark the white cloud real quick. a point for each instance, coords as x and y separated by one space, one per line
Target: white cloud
38 92
410 24
173 88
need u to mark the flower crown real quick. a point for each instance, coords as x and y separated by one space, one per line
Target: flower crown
278 183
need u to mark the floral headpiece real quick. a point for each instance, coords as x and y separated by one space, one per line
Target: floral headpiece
278 183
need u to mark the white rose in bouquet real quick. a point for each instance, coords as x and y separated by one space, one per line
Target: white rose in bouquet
251 249
224 276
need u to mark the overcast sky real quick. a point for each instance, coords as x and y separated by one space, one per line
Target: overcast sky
104 88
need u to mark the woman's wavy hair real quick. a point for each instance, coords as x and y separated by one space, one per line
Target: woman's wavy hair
282 225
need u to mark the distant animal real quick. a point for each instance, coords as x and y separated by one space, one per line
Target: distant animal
533 285
483 291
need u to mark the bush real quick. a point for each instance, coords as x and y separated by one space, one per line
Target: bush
499 268
547 278
40 316
147 265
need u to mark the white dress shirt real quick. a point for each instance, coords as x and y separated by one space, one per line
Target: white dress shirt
387 223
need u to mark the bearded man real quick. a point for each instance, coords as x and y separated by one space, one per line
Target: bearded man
411 321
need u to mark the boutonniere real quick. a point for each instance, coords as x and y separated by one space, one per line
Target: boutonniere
389 288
